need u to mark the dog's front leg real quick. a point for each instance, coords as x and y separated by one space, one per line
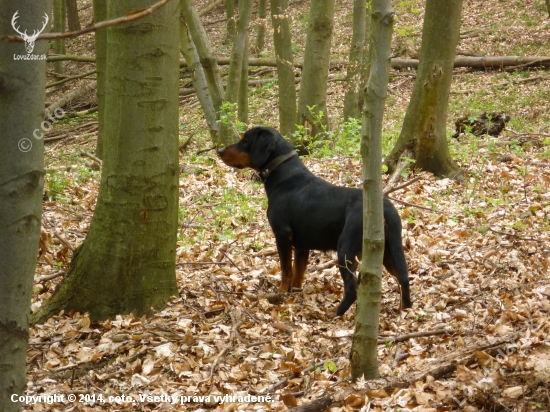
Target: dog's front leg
301 257
284 247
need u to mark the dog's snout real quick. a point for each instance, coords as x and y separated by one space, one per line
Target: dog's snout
220 152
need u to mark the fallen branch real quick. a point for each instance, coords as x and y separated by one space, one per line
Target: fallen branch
404 185
412 204
207 9
91 156
444 366
129 17
283 381
69 78
485 62
70 97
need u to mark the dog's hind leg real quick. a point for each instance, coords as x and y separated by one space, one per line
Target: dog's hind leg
301 257
348 265
394 256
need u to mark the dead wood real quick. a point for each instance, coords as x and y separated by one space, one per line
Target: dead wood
439 369
484 63
81 91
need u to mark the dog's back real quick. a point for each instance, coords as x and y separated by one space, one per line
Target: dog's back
309 213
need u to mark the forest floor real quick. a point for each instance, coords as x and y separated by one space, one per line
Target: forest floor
478 336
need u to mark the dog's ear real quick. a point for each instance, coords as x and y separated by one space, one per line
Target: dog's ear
262 147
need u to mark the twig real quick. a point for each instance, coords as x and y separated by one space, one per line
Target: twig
407 336
400 354
52 276
206 150
202 263
69 78
412 204
404 185
402 338
231 260
517 236
91 156
129 17
401 166
293 376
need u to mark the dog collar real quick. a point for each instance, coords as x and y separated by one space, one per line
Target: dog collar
271 166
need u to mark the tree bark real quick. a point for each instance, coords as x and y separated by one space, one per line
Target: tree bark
73 20
22 95
242 105
282 39
312 104
424 127
358 53
364 350
227 131
59 17
199 80
548 6
100 14
204 50
262 22
231 25
127 261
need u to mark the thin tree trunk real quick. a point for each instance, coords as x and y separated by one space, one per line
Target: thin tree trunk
207 58
22 95
73 20
199 80
127 261
262 23
231 25
227 132
358 50
100 14
548 6
312 104
424 127
242 106
282 38
59 16
364 350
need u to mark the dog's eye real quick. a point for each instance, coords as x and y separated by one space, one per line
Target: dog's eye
244 143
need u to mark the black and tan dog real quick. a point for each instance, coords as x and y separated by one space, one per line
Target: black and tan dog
309 213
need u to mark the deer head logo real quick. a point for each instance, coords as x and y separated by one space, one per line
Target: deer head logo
29 40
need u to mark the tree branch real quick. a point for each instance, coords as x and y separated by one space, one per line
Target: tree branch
129 17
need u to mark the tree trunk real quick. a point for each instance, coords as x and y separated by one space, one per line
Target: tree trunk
424 127
73 20
548 6
207 58
363 356
230 21
59 16
282 38
242 105
22 94
199 80
312 105
358 52
228 133
100 14
127 261
262 23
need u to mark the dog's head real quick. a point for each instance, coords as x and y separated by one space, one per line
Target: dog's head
255 149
